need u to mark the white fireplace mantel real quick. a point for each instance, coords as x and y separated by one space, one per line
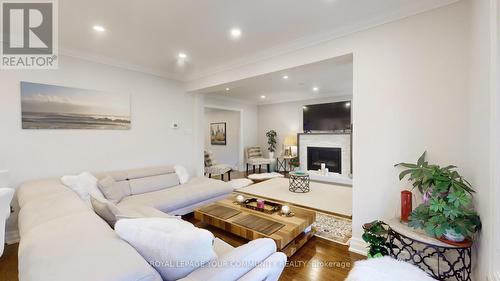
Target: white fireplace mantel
342 141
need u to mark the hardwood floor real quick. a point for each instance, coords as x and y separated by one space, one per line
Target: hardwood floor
8 263
317 260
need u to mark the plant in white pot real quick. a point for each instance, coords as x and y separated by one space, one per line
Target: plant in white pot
271 141
447 201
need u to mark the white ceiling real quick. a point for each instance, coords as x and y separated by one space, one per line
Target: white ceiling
332 77
148 35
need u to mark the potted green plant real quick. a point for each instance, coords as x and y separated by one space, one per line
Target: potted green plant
294 163
271 141
376 234
447 208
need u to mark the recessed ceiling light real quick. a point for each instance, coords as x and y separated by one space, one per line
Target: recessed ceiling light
99 28
347 104
182 55
262 97
315 89
285 77
235 33
227 89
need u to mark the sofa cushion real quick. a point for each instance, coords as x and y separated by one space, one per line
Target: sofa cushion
39 189
114 191
174 247
106 210
136 212
196 190
80 247
153 183
150 171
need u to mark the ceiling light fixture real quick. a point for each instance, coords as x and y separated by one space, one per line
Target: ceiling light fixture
182 56
235 33
347 104
99 28
227 89
262 97
285 77
315 89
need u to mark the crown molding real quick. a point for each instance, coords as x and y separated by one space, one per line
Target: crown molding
309 41
120 64
222 97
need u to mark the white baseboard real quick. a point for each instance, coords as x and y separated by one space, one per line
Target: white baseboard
494 276
358 246
12 237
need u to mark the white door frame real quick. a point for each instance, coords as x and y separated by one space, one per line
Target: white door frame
241 157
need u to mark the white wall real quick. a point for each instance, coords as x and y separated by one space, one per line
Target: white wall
230 153
483 144
410 95
155 103
248 114
286 118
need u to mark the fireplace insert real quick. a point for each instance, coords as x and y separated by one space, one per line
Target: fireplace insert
330 156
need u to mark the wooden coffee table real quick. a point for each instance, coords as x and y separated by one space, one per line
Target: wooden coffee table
288 232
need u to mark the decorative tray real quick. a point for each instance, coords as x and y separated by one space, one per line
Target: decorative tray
269 207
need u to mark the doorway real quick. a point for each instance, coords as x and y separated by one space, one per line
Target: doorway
223 135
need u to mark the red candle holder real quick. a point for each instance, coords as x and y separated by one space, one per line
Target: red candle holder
406 205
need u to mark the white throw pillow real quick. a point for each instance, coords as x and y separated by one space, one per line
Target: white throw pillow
85 185
173 247
182 173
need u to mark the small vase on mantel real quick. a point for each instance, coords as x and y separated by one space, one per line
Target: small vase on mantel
406 205
271 154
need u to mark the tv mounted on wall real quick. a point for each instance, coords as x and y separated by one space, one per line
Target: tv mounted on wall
329 117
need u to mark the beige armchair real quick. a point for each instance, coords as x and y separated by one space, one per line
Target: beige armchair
255 157
212 168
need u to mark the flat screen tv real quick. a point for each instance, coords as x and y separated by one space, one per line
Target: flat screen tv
327 117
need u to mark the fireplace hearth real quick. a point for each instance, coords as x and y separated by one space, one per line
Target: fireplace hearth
330 156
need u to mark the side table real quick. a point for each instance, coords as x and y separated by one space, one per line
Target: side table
440 260
299 182
281 163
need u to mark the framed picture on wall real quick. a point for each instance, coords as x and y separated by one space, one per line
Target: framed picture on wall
218 133
55 107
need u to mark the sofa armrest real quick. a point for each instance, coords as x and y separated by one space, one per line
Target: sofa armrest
269 270
238 262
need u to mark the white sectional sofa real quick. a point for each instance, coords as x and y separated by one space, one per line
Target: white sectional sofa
62 238
160 188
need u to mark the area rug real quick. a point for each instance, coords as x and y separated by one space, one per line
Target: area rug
333 228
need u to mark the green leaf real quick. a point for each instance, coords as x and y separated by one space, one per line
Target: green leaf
451 213
458 198
437 205
406 165
404 173
421 160
430 229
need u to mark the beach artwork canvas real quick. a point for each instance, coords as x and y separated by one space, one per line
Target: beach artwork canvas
55 107
218 133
